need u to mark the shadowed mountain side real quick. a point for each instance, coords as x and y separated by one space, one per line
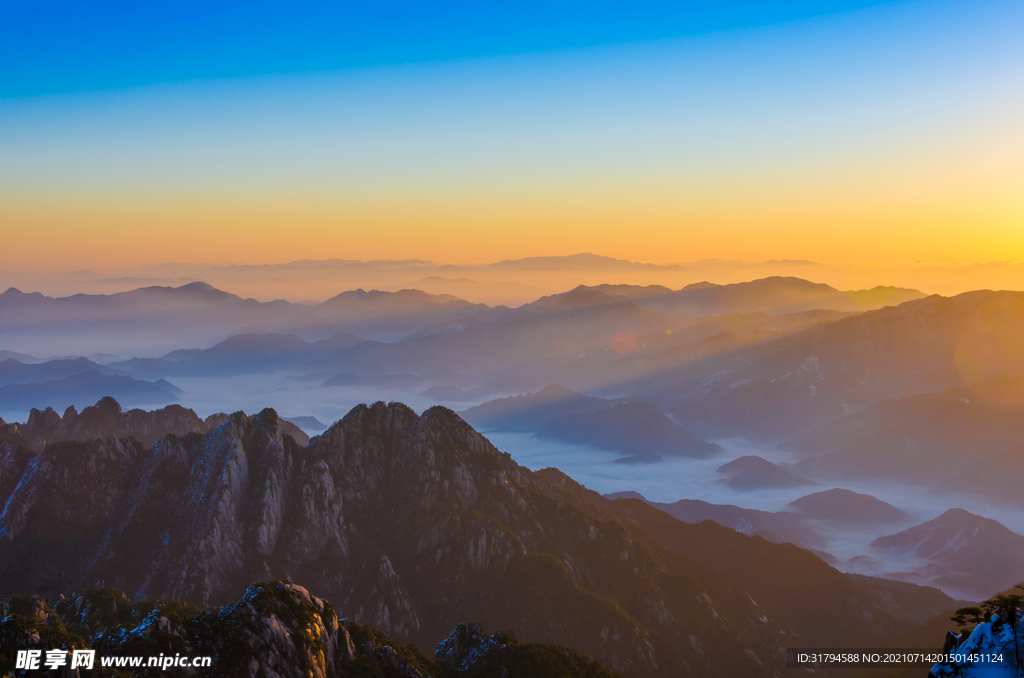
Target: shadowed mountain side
528 412
780 527
87 387
774 295
922 440
752 472
848 508
638 430
416 521
807 379
16 372
998 478
975 556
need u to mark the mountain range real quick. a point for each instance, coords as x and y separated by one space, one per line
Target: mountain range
413 524
806 379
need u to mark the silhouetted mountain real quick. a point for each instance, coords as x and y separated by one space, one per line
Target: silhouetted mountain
376 303
638 430
922 440
807 379
20 357
240 354
530 411
395 315
165 318
81 389
774 295
572 262
584 297
851 508
965 552
15 372
413 522
752 472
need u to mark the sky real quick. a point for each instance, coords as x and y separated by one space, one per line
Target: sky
840 131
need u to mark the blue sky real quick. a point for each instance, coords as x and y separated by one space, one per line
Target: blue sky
475 132
48 46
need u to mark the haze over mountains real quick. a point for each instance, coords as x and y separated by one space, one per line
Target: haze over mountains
213 314
509 283
777 407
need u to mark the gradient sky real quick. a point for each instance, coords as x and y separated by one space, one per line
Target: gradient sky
838 131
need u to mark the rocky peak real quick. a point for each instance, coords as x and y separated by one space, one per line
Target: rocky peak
412 524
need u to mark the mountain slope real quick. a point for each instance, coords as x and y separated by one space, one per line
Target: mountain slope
780 527
923 440
967 552
795 383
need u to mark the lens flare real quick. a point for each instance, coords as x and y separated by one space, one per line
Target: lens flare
624 342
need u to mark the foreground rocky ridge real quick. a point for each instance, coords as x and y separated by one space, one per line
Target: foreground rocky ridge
276 629
414 524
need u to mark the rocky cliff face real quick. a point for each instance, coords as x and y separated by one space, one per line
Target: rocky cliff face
414 524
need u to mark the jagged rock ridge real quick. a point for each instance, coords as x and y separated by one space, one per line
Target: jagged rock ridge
414 524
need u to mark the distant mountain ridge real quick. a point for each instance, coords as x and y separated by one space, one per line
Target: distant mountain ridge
638 430
966 552
13 371
86 387
753 472
775 295
240 354
374 314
